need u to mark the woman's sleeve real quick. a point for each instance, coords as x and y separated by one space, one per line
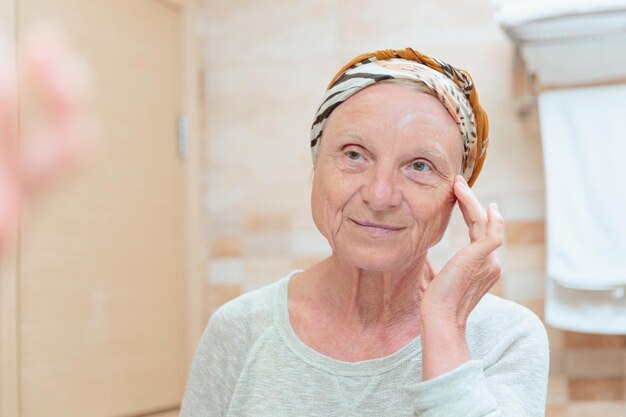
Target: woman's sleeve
511 381
213 372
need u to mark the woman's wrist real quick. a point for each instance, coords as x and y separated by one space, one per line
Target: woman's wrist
444 347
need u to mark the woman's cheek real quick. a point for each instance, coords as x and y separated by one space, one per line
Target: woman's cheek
443 219
324 209
432 209
332 195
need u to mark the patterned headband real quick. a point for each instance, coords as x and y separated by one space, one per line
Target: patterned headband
452 86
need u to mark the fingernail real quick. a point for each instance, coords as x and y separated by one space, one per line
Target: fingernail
495 206
463 184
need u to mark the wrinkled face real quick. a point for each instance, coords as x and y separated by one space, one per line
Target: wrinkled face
383 181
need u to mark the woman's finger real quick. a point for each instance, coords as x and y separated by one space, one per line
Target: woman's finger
494 233
473 212
495 223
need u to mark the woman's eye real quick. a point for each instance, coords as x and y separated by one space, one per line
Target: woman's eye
353 155
421 166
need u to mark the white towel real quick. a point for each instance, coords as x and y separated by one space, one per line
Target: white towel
585 310
584 144
514 13
567 42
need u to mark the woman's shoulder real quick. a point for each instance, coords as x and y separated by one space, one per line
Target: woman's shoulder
499 323
251 309
500 312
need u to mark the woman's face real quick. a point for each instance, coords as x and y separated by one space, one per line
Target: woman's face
383 181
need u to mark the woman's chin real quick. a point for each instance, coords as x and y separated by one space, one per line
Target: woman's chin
375 260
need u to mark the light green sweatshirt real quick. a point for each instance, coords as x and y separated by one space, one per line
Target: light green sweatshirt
251 363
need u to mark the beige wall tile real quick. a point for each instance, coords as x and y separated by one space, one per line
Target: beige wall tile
596 389
557 361
303 262
555 410
260 271
520 158
594 363
273 221
227 223
524 257
556 337
309 243
302 219
362 28
441 254
363 31
259 135
575 340
522 205
246 32
525 233
498 288
537 306
225 271
265 244
624 371
222 196
558 390
594 408
524 285
226 246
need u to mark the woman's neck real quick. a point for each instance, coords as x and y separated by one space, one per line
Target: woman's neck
368 300
353 315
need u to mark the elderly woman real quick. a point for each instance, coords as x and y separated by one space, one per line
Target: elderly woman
374 329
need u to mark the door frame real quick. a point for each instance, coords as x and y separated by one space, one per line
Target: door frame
193 106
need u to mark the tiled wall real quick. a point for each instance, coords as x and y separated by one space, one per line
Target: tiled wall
268 63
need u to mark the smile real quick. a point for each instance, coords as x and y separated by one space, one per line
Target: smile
375 228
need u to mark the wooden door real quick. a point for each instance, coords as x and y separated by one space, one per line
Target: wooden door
100 263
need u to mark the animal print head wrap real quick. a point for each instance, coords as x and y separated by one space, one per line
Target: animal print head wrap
452 86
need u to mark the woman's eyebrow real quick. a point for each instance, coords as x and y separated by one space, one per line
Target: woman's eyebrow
438 156
433 153
354 135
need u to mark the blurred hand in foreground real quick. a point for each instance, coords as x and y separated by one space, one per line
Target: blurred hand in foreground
52 89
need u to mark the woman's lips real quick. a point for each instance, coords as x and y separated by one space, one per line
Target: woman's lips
376 228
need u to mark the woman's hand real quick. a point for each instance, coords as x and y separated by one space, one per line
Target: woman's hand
55 78
453 292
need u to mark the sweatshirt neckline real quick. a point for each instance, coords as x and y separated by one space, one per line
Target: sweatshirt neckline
368 367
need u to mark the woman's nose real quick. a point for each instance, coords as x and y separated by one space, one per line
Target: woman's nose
382 190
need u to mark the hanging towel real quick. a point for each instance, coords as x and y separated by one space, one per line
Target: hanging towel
585 311
584 144
567 42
